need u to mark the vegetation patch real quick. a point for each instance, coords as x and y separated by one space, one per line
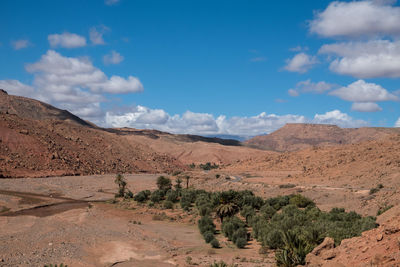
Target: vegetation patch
292 225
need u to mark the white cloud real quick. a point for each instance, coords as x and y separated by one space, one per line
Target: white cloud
293 92
66 40
361 91
111 2
20 44
300 63
365 107
119 85
14 87
377 58
207 124
96 34
113 58
73 84
338 118
308 86
397 123
356 19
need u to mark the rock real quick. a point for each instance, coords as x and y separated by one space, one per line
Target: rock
379 237
327 244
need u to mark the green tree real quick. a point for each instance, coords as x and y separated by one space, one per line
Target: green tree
120 181
164 184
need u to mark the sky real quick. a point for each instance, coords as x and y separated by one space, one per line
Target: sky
233 68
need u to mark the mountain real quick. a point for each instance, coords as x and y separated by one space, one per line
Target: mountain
297 136
33 109
37 139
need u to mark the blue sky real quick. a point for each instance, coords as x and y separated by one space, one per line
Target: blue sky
206 67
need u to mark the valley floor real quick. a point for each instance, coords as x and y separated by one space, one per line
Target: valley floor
70 220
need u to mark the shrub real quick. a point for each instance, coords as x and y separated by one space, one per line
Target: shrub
214 243
120 181
208 236
164 184
168 204
287 185
248 212
267 211
206 224
301 201
234 228
142 196
241 242
128 194
217 176
239 233
373 190
156 196
208 166
273 239
172 196
178 184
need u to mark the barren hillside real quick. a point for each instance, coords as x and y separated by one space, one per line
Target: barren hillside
296 136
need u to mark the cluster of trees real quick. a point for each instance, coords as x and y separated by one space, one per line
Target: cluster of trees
291 224
208 166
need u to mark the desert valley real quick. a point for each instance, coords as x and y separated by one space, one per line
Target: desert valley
60 201
211 133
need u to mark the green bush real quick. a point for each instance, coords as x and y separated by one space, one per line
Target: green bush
273 239
156 196
239 233
240 242
142 196
128 194
267 211
214 243
301 201
208 166
208 236
168 204
164 183
206 224
172 196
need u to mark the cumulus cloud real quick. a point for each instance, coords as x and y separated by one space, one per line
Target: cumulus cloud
365 107
357 18
207 124
96 34
397 123
308 86
14 87
66 40
361 91
300 63
338 118
20 44
113 58
376 58
73 84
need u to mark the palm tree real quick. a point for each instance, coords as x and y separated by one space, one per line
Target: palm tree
226 209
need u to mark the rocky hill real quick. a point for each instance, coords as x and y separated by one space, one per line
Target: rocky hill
37 139
296 136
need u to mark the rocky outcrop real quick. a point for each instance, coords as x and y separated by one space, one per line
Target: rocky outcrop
376 247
